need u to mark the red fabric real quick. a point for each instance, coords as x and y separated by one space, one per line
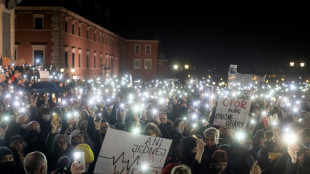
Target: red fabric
168 168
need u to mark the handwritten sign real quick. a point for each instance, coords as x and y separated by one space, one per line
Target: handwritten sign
232 112
124 152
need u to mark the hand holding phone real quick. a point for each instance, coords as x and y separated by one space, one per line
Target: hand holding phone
79 159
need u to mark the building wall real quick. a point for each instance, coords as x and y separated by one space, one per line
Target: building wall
6 32
131 55
58 40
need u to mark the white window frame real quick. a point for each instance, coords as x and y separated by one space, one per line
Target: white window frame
146 49
34 21
134 64
146 60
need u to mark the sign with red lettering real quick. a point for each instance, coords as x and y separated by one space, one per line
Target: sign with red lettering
231 112
124 152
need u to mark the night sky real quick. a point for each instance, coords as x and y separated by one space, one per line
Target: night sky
254 38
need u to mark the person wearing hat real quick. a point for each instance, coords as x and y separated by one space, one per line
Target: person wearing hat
76 137
88 156
17 145
7 164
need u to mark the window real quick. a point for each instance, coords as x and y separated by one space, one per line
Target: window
73 57
87 61
16 52
79 30
137 64
66 59
87 33
72 28
94 36
148 64
38 54
38 23
79 60
137 49
66 26
94 61
148 49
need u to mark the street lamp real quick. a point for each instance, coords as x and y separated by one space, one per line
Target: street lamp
186 66
302 64
292 63
175 67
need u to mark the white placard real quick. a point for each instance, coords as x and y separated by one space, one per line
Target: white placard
231 112
124 152
44 75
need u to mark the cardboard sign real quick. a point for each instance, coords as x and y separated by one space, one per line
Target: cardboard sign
232 112
44 76
124 152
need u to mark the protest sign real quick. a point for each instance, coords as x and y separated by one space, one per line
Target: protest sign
124 152
231 112
44 76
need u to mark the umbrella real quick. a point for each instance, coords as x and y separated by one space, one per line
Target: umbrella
44 87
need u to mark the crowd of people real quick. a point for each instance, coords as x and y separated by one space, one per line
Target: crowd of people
41 132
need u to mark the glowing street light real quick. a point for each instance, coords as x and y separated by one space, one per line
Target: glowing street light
292 63
72 70
302 64
186 66
175 67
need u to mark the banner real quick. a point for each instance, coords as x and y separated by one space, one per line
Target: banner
124 152
231 112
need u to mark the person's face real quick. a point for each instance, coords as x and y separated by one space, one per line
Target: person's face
61 144
35 126
150 132
163 118
18 145
7 158
220 167
78 139
104 127
210 141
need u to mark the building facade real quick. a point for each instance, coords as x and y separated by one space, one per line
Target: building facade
6 31
57 37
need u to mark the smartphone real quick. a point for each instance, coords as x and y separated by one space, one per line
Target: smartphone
80 158
55 117
53 97
59 100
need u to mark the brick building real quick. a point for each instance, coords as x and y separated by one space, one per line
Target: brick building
59 37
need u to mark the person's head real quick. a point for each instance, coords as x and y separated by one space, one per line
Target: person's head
17 143
188 149
268 136
77 137
83 126
44 114
151 129
211 136
61 143
163 117
181 169
219 160
33 130
259 140
35 163
104 127
6 159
